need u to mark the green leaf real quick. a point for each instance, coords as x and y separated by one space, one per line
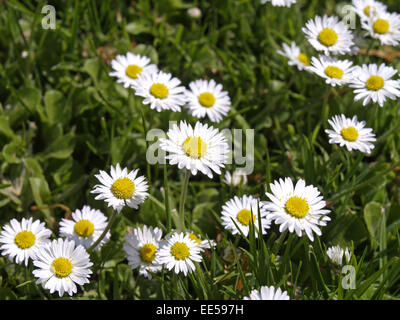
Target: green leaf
30 98
5 128
54 106
138 27
372 215
41 192
61 148
148 51
92 67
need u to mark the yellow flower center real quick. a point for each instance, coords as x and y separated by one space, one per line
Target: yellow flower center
194 238
244 217
123 188
349 134
304 59
62 267
25 239
84 228
194 147
180 251
159 90
297 207
207 99
132 71
375 83
381 26
328 37
334 72
148 252
367 10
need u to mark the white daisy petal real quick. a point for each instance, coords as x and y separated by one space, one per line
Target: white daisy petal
351 133
178 252
329 35
85 227
296 208
121 188
59 266
142 248
23 239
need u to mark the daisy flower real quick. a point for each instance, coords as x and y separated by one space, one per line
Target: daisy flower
280 3
295 55
329 35
206 98
201 148
142 249
61 265
351 133
296 208
242 211
121 188
336 72
85 227
336 254
366 9
268 293
385 27
236 178
23 239
128 68
374 83
179 252
161 91
203 244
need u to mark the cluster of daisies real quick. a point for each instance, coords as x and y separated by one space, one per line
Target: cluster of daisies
371 82
162 91
63 263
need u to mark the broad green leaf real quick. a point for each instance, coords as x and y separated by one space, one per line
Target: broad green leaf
372 215
54 104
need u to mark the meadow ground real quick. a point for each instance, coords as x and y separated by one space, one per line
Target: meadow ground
63 118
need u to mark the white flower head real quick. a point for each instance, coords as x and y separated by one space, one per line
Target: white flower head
242 211
142 250
203 244
206 98
367 9
127 68
86 227
336 254
121 188
268 293
385 27
161 91
60 265
374 83
201 148
351 133
280 3
238 177
329 35
179 252
194 13
296 208
295 55
335 72
21 240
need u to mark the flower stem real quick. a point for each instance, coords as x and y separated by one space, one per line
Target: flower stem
107 228
166 198
182 200
144 131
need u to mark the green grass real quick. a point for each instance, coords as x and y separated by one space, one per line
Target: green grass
63 118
